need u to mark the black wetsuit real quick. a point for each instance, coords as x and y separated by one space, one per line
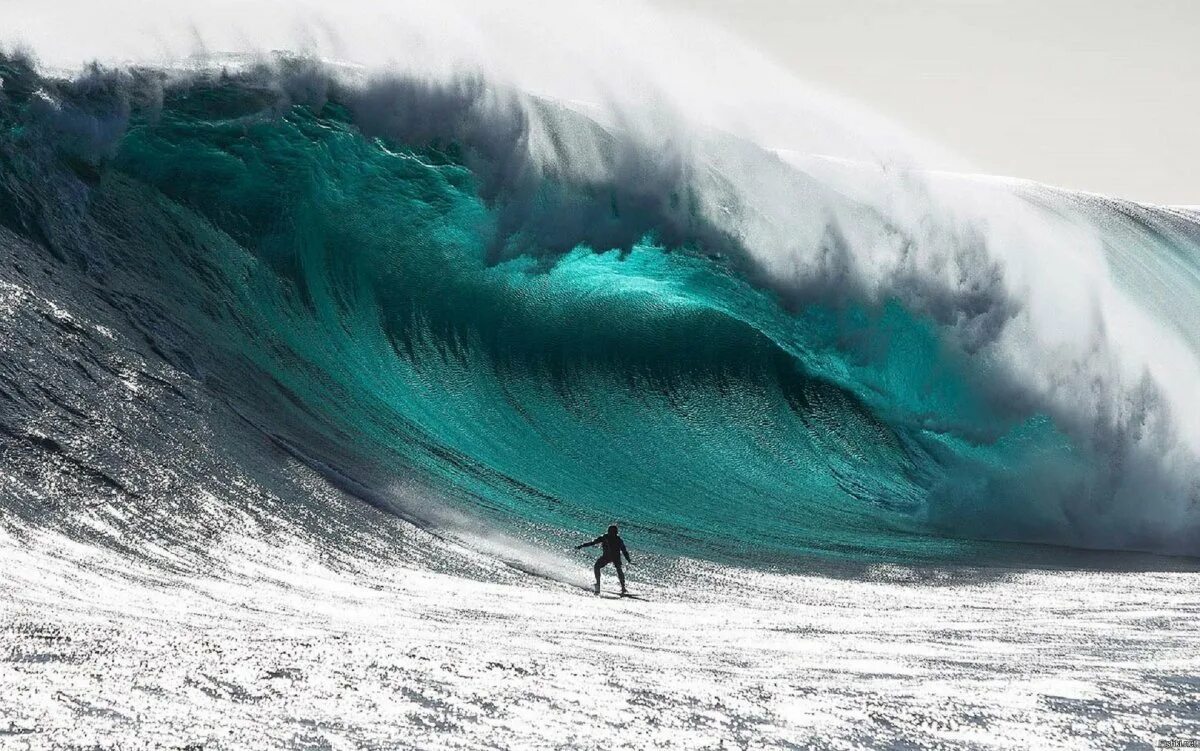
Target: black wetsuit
613 547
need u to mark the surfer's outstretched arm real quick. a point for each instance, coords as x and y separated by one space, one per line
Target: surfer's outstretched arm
596 541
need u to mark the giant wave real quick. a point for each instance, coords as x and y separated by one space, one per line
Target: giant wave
545 319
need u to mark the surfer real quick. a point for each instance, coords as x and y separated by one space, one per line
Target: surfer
613 548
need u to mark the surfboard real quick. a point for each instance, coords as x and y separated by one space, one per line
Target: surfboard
609 594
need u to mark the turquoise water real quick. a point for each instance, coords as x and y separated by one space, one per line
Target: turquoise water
542 353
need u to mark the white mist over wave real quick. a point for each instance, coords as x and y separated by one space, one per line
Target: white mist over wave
1027 291
622 56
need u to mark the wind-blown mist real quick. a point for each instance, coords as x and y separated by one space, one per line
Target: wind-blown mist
551 312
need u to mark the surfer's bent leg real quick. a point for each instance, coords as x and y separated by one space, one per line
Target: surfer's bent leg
599 565
620 573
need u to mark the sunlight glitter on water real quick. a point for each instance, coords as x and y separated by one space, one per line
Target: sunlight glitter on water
283 651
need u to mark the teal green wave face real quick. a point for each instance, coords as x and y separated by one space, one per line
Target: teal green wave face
345 291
